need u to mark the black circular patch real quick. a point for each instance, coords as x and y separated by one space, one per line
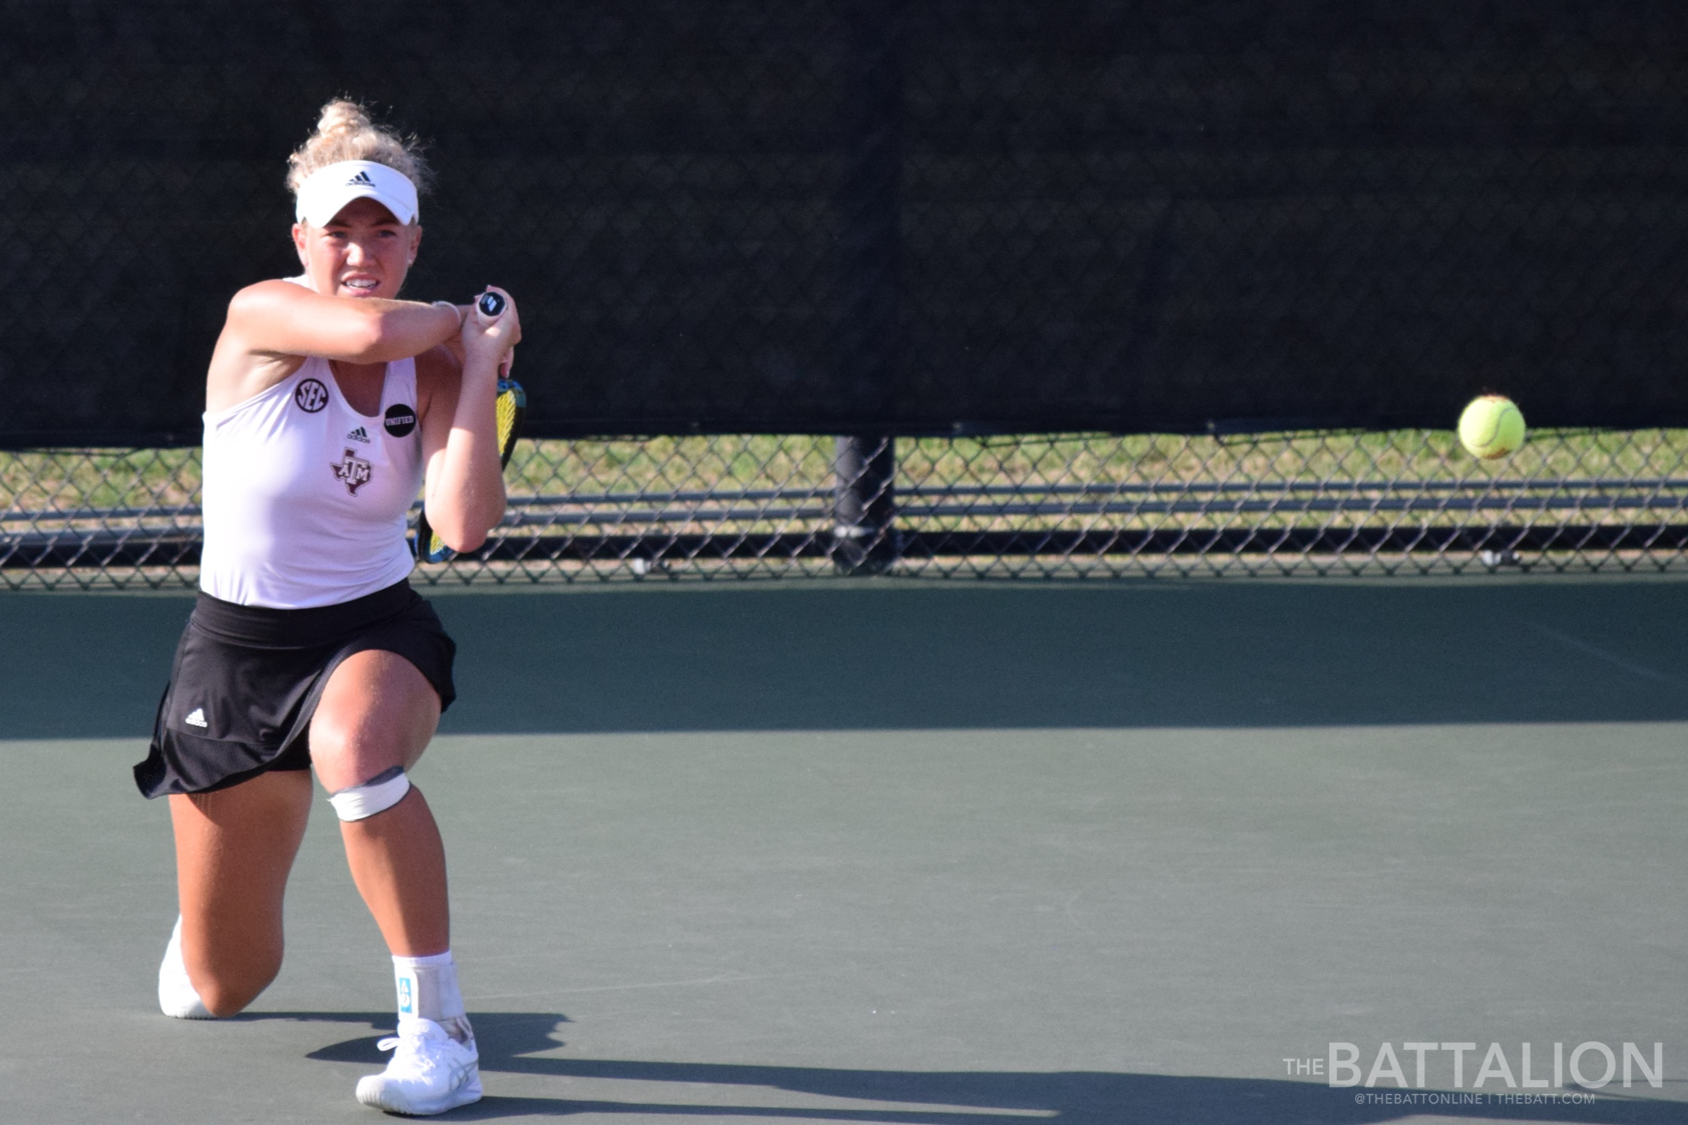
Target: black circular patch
310 396
400 420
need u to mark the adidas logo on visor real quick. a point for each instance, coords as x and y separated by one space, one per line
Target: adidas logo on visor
360 180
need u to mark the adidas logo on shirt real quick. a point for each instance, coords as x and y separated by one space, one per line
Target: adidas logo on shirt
196 718
361 179
358 434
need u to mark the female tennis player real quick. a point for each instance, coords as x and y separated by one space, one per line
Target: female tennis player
329 403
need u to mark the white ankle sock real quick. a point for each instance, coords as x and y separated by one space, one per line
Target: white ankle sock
428 990
176 995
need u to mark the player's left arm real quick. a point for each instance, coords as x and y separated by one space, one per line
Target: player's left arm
463 489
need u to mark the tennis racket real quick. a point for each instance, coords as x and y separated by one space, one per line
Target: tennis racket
509 407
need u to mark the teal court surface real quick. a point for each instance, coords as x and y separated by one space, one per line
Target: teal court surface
928 854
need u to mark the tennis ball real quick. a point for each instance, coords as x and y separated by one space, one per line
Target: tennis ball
1491 426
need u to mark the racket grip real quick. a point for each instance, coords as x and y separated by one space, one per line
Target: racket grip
490 305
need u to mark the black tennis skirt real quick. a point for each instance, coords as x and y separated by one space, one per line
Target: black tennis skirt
246 681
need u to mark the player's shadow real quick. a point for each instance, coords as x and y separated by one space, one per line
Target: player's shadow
524 1042
890 657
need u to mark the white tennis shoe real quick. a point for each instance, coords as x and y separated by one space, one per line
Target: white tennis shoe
176 995
429 1073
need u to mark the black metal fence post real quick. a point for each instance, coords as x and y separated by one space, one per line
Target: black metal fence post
869 255
865 505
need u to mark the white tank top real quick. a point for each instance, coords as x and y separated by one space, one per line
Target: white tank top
305 498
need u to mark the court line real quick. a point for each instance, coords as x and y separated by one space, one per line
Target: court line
482 997
1601 654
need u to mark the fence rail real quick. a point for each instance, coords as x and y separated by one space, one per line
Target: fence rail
1060 505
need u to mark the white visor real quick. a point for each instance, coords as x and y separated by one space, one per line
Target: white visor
327 190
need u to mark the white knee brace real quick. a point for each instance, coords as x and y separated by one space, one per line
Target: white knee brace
378 794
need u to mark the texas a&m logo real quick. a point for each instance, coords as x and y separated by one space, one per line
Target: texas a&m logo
353 471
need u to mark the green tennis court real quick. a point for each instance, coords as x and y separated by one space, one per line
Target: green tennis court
933 854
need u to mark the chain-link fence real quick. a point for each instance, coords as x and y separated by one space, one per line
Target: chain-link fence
1031 505
1019 218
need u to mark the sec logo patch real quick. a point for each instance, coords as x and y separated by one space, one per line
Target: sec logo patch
310 396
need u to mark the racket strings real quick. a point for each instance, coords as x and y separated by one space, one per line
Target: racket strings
509 407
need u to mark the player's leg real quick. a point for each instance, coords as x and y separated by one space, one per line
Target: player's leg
377 713
375 717
234 849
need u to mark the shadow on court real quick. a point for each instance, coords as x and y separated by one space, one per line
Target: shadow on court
891 655
509 1040
840 881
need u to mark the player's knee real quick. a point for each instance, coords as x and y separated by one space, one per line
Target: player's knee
337 740
223 1000
345 755
378 711
227 990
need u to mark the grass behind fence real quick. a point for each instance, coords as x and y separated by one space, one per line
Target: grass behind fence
664 488
65 480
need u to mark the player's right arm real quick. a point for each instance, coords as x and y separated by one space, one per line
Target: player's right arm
273 325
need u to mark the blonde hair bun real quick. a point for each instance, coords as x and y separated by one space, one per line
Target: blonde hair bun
345 132
342 116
